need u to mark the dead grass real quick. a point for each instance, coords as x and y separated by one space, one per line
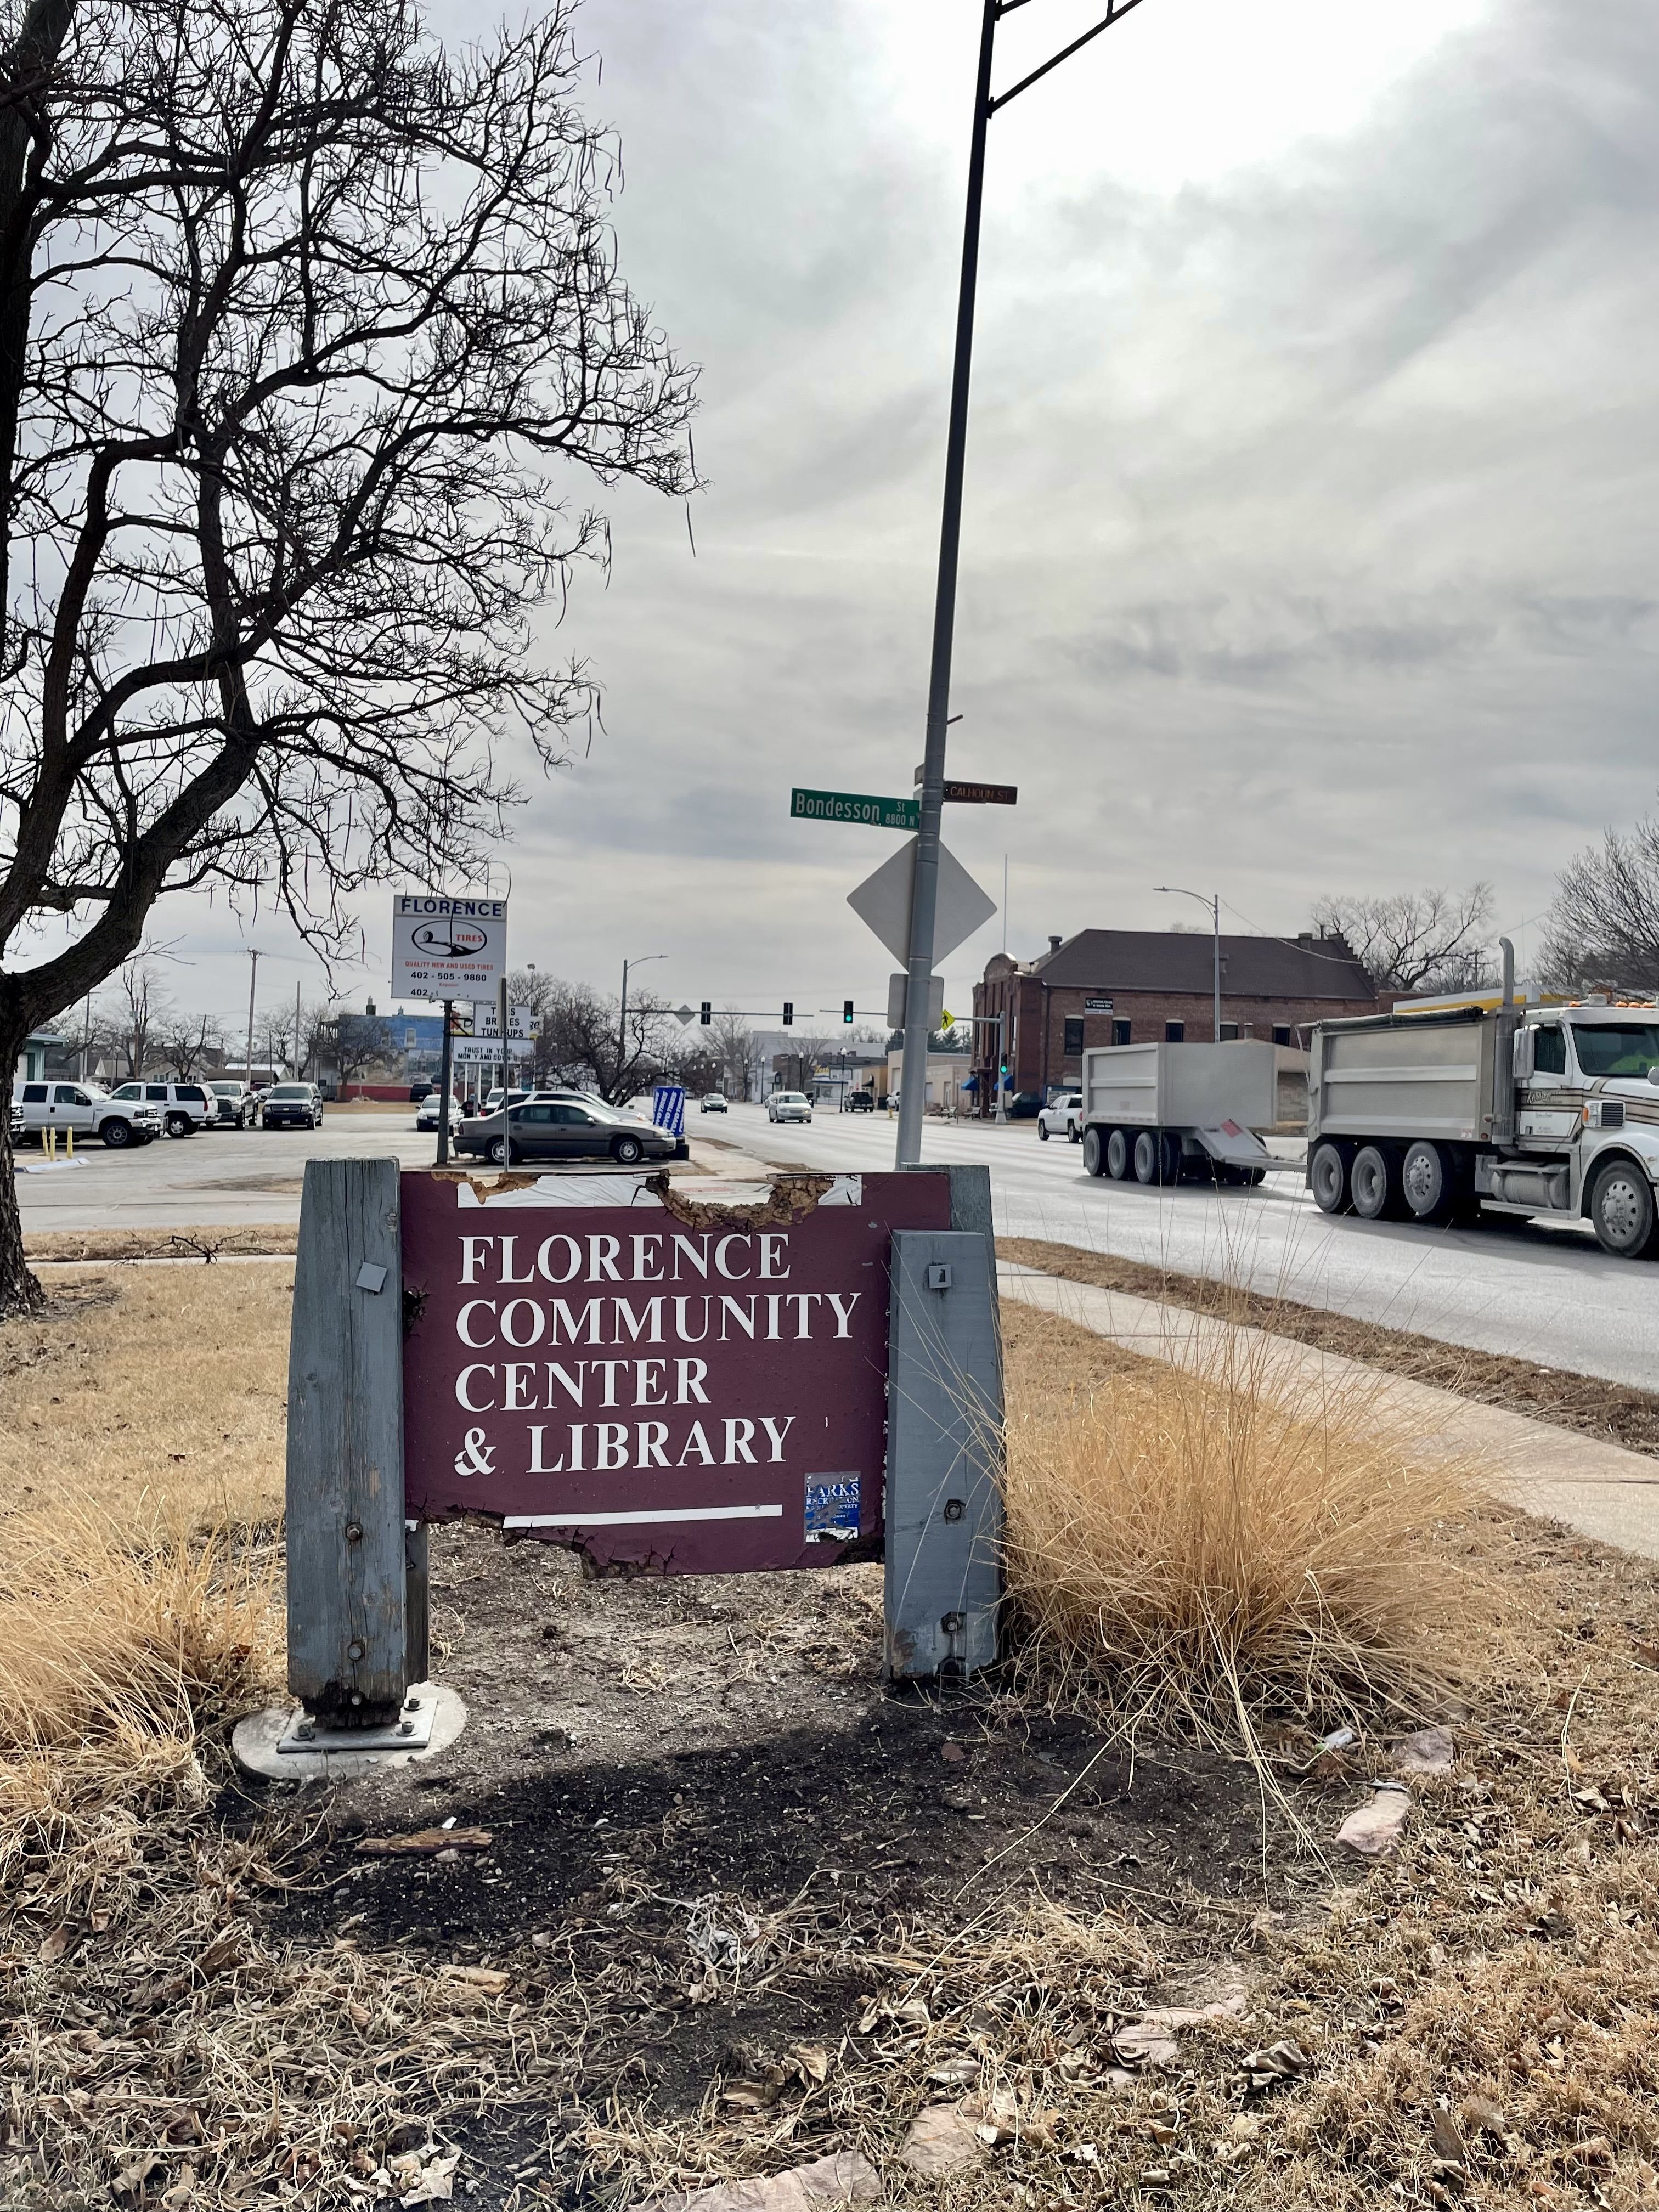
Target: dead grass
1473 2022
153 1396
47 1246
1208 1546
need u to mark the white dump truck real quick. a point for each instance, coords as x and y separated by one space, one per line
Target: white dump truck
1547 1112
1154 1112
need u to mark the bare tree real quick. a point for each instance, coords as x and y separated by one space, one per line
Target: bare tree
1604 924
137 1010
734 1047
187 1043
1428 940
586 1045
299 316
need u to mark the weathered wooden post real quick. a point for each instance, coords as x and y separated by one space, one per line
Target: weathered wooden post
943 1590
352 1633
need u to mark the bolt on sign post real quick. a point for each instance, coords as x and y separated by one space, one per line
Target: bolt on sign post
601 1361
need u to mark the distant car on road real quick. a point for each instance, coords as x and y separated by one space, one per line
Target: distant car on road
292 1106
1063 1117
184 1108
425 1115
89 1110
564 1129
860 1102
236 1106
788 1106
714 1102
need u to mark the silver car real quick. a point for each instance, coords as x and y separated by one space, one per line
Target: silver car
789 1106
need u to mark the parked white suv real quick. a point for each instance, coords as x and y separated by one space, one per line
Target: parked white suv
184 1108
89 1110
1063 1117
788 1106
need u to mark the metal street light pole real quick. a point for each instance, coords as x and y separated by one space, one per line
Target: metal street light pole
622 1034
252 980
924 883
1213 902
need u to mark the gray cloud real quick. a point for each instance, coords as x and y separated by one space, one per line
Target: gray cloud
1311 520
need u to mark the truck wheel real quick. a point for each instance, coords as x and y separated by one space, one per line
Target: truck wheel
1428 1180
1375 1179
115 1132
1169 1157
1093 1160
1621 1210
1042 1130
1145 1156
1117 1156
1327 1178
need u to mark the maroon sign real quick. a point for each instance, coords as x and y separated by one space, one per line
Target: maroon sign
704 1394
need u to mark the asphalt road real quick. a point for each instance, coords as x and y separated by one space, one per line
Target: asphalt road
1544 1294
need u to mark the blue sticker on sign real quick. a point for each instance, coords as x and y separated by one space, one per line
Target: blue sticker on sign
832 1508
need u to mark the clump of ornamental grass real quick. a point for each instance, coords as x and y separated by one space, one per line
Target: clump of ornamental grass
109 1645
1215 1538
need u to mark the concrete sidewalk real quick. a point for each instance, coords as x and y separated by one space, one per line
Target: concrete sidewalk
1596 1487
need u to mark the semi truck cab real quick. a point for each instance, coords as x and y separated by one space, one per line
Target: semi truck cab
1489 1108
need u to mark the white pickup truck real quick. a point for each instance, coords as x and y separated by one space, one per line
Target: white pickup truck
1156 1112
89 1110
1548 1113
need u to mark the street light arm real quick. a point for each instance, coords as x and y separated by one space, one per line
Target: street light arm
1114 15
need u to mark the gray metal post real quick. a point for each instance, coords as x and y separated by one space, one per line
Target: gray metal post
445 1078
943 1493
913 1081
944 1497
1217 967
347 1619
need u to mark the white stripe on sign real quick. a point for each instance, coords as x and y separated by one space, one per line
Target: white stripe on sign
643 1520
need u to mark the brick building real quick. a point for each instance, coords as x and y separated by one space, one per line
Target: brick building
1128 985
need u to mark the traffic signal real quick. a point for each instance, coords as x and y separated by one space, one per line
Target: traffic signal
708 1013
846 1010
788 1013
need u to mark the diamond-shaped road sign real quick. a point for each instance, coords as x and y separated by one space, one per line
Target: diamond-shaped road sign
684 1014
883 901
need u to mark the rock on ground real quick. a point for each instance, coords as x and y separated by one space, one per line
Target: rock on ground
845 2177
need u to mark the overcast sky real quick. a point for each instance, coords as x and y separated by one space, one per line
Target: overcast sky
1311 516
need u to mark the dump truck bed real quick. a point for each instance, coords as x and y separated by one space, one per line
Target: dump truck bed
1249 1082
1405 1076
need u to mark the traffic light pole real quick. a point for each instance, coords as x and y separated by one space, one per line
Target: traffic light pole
924 884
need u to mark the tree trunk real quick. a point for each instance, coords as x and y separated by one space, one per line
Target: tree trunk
20 1293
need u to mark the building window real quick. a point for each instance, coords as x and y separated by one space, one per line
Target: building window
1174 1032
1073 1045
1120 1031
1283 1033
1229 1033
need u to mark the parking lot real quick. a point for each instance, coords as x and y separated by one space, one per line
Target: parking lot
218 1178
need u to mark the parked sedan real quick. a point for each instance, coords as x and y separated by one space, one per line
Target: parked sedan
293 1106
426 1114
788 1106
564 1129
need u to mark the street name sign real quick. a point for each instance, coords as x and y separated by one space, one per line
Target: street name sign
957 794
882 902
702 1394
446 948
853 806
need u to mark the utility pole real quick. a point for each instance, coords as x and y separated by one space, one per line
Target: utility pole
622 1037
253 978
924 885
1213 902
296 1026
